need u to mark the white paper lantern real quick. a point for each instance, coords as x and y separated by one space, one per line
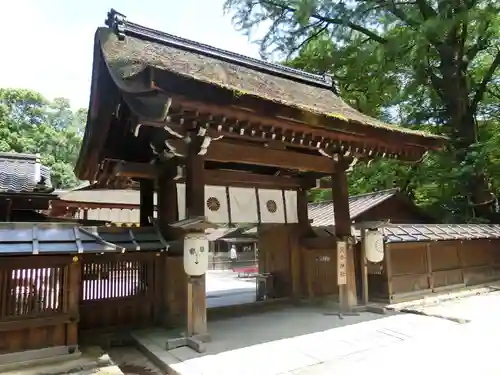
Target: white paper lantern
374 245
195 254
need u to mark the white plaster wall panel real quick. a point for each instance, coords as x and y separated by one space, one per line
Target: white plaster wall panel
105 214
135 216
271 206
243 205
93 214
116 216
291 206
216 208
181 201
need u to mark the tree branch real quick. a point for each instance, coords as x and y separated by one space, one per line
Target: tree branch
494 94
426 10
401 15
481 42
308 39
333 21
484 83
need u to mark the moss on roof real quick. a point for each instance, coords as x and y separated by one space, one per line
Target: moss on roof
132 56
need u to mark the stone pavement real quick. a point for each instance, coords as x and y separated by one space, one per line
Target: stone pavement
465 349
475 308
460 349
301 340
225 288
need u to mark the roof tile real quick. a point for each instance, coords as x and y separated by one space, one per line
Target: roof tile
322 213
439 232
18 172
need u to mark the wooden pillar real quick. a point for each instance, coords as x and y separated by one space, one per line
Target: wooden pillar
428 257
364 267
146 202
298 282
195 207
340 197
72 305
171 293
302 209
146 209
168 211
388 272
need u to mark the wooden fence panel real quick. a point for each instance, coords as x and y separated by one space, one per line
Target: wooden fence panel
408 259
33 303
117 291
446 278
444 264
474 253
274 256
444 255
409 283
320 271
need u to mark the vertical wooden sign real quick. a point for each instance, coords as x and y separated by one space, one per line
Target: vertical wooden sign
341 262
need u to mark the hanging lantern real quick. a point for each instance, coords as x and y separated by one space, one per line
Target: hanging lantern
195 254
374 245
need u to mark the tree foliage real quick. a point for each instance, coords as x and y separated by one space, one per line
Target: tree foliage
425 63
31 124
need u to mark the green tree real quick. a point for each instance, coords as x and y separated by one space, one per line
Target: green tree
29 123
426 63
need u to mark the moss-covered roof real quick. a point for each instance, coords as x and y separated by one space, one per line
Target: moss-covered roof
130 57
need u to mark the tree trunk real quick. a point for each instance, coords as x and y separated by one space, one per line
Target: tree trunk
453 88
463 135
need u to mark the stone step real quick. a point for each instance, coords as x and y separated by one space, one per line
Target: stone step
159 356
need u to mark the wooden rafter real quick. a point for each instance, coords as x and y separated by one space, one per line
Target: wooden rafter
238 123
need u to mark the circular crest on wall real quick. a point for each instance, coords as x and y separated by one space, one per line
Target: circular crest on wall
213 204
271 206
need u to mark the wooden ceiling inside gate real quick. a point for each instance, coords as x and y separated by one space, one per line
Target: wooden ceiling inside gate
150 89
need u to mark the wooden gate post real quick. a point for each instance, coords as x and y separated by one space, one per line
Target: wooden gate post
168 281
196 324
195 207
340 196
296 257
73 286
364 268
146 208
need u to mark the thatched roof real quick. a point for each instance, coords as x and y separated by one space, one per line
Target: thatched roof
132 56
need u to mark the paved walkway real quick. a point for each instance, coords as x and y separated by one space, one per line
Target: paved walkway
296 341
225 288
312 341
460 349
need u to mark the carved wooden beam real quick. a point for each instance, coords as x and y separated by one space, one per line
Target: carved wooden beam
306 137
218 177
227 152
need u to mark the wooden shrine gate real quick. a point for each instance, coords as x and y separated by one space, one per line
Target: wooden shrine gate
119 290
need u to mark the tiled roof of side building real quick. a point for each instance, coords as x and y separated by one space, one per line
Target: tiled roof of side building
22 172
70 238
439 232
322 213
